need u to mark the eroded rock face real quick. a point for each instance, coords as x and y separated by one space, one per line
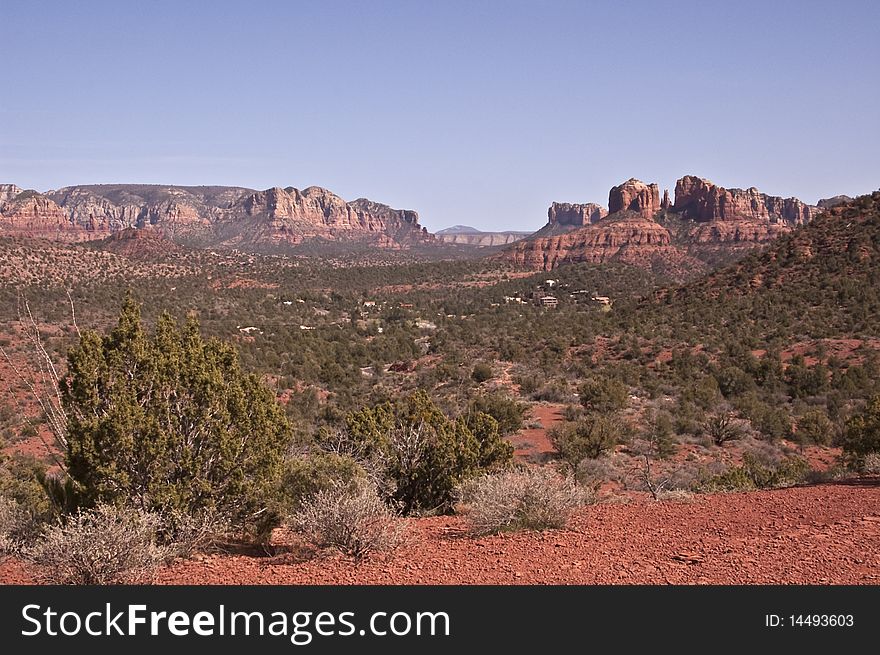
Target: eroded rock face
575 215
292 216
700 200
625 237
8 192
31 214
720 242
215 216
589 233
482 239
635 196
714 225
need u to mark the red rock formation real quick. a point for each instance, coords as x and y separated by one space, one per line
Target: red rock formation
292 216
635 196
702 201
215 216
624 237
184 212
31 214
718 225
575 215
140 243
8 192
585 233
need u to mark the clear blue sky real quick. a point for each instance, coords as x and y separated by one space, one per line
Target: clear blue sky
473 112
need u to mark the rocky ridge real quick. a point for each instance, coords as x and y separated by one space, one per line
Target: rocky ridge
33 215
575 215
700 200
207 216
705 225
464 235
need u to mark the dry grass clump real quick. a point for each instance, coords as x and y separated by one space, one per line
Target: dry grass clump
105 545
871 464
531 499
350 518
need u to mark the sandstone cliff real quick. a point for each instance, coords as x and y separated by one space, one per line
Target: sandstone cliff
706 225
463 235
31 214
8 192
208 216
290 216
575 215
625 237
702 201
588 233
635 196
719 225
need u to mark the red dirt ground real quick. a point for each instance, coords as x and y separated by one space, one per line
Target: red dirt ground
533 443
824 534
844 350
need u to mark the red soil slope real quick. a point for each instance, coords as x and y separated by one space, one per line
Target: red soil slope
533 444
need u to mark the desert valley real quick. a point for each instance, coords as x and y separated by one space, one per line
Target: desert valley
670 387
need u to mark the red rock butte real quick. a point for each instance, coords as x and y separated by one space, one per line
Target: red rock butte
705 225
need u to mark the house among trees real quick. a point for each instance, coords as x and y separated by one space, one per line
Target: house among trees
548 301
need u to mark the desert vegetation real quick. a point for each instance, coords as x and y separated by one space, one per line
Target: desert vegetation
336 403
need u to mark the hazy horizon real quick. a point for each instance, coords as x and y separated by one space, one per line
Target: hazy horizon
476 114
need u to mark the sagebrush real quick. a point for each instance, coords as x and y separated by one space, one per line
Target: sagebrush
531 499
104 545
350 518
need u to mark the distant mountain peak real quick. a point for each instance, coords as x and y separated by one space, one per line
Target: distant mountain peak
460 229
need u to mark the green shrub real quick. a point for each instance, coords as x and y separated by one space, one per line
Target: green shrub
494 452
814 427
425 454
733 381
588 438
753 474
171 423
603 395
482 372
556 391
527 384
660 435
862 436
722 428
23 480
506 411
306 475
18 527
